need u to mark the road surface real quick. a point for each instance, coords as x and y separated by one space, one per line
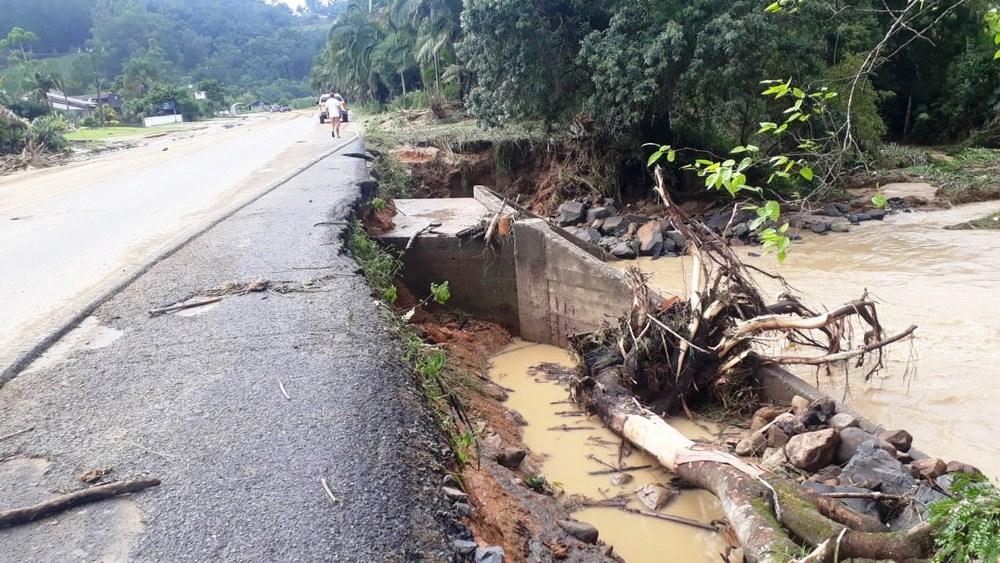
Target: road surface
67 234
282 424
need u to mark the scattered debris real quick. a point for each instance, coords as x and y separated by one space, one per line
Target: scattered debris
94 475
65 502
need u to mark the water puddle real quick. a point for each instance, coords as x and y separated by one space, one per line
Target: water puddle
638 539
88 335
946 282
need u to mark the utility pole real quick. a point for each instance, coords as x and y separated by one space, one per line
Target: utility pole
97 83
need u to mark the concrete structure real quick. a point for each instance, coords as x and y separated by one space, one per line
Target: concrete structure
62 102
160 120
482 279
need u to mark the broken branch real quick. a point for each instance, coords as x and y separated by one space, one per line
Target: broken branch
65 502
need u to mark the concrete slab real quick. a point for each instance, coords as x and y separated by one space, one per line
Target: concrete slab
454 214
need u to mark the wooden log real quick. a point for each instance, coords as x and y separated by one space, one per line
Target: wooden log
65 502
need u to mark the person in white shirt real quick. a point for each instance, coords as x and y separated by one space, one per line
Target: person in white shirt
333 113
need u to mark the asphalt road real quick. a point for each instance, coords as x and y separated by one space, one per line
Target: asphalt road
242 408
69 233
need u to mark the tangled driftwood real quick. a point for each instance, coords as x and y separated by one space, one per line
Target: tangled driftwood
665 355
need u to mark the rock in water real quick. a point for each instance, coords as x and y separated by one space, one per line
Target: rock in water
813 450
900 439
621 479
930 468
489 554
843 420
959 467
872 466
654 496
571 212
511 458
580 530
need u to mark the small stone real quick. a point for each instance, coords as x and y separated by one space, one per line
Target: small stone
620 479
799 403
959 467
765 415
900 439
464 509
776 438
450 481
613 224
825 406
464 547
454 494
789 424
930 468
580 530
599 213
597 224
489 554
827 473
843 420
854 218
852 438
819 228
679 241
774 460
571 212
839 228
654 496
587 234
649 235
511 458
833 482
830 211
813 450
623 251
630 232
753 444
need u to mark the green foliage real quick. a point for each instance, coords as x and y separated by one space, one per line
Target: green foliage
47 131
380 267
968 524
441 292
879 200
151 104
540 484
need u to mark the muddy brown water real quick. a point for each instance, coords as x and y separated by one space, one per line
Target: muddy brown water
638 539
947 282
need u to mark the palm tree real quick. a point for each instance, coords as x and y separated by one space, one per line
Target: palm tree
40 83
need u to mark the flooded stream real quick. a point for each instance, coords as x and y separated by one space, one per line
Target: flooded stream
948 283
638 539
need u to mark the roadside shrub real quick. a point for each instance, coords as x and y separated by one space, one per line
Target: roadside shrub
418 99
968 524
48 132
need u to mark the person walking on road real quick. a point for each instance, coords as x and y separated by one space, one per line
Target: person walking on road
333 113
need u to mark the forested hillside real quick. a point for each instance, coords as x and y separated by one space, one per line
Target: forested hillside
251 48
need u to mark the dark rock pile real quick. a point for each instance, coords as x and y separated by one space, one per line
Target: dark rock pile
832 452
629 235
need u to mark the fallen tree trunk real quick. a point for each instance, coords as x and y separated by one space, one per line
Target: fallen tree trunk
766 512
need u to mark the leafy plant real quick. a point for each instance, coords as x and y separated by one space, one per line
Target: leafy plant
879 200
440 292
968 524
378 204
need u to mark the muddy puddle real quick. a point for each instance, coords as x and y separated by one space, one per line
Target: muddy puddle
638 539
947 282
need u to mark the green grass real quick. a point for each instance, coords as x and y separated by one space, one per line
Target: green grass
990 222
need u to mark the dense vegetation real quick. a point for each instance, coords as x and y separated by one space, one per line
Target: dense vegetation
680 71
251 49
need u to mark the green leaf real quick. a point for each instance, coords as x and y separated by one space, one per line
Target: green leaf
653 158
879 200
390 294
774 7
671 155
441 292
806 173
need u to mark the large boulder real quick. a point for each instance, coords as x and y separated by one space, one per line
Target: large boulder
571 212
851 439
872 467
614 225
813 450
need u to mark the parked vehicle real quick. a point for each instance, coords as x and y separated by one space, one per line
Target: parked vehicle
323 117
